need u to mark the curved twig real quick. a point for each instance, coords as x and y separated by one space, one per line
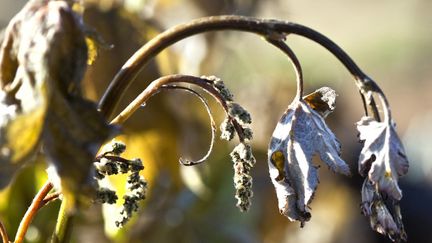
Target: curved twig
31 211
3 233
295 62
49 198
188 162
261 27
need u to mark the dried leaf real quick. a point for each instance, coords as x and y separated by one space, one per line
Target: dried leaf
300 134
322 100
384 215
382 157
73 133
383 161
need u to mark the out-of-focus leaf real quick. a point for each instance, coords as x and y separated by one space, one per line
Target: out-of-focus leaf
73 133
46 46
383 157
23 90
74 130
300 134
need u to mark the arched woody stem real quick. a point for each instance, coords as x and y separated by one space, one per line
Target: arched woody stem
263 27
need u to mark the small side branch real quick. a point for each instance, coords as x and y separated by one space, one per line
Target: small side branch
3 233
31 212
49 198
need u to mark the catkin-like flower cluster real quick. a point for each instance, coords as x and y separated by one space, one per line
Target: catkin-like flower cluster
137 189
237 121
110 163
243 160
221 88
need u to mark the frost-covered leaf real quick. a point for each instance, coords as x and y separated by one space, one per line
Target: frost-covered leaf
300 134
383 157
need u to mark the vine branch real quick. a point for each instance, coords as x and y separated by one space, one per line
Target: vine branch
262 27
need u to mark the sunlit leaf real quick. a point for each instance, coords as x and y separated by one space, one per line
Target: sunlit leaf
383 157
383 161
300 134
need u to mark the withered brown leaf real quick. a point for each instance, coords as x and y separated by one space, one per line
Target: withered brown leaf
300 134
383 157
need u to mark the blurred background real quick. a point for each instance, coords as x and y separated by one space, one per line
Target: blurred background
390 40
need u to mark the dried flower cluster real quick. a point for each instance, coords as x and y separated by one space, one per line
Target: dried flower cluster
243 160
109 163
238 121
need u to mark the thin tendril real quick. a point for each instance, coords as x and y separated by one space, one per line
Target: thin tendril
188 162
